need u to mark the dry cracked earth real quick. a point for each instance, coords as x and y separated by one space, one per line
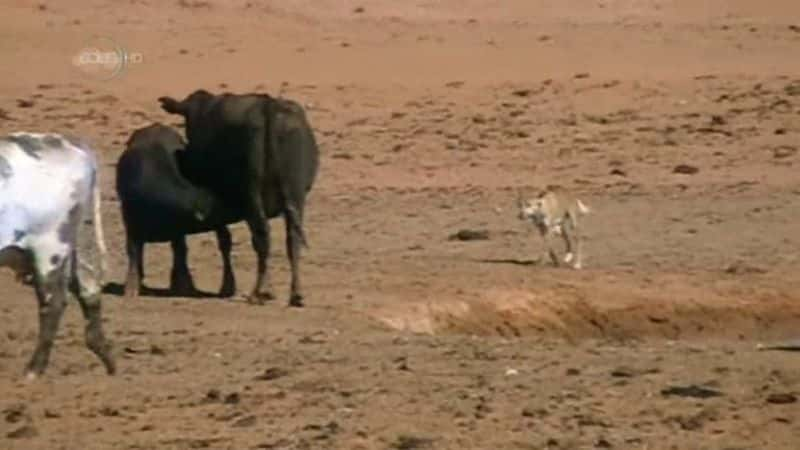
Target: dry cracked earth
677 122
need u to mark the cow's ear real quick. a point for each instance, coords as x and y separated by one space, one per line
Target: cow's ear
171 105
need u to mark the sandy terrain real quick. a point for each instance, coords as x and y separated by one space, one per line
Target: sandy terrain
677 122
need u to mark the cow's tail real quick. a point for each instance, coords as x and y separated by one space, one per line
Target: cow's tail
98 225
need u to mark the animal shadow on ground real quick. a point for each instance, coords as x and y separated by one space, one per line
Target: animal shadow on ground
118 290
513 261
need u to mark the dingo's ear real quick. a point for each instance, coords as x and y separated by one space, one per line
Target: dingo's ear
545 190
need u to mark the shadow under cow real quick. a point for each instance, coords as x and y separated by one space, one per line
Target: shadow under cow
118 290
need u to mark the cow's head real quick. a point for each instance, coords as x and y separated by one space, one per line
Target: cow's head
185 106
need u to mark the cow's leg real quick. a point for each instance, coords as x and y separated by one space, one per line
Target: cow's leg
181 282
225 243
141 263
86 279
135 267
293 241
51 293
256 216
85 285
260 230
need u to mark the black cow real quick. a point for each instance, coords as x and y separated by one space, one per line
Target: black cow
259 154
160 205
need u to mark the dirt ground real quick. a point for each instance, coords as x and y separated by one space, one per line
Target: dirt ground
677 122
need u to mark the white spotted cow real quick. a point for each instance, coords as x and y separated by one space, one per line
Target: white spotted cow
48 192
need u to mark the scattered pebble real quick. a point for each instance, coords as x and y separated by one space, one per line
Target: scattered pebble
781 399
23 432
692 391
685 169
273 373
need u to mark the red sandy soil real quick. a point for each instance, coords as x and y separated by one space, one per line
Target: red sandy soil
431 115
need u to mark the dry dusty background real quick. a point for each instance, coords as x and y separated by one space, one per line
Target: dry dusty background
430 114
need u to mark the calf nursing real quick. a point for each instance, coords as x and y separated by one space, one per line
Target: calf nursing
258 155
160 205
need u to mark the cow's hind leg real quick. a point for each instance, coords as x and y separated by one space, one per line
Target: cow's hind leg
133 283
86 281
293 242
85 286
256 216
181 282
50 284
225 243
140 263
260 230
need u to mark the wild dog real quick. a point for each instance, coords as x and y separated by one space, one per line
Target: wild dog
555 211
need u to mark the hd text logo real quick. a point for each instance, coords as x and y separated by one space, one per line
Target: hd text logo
103 59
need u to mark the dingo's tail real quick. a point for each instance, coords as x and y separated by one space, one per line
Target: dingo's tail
583 208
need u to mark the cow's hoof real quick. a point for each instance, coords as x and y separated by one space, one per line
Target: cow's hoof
227 292
183 290
111 367
31 376
260 298
296 301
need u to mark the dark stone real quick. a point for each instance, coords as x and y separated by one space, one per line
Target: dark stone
693 391
781 399
470 235
685 169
